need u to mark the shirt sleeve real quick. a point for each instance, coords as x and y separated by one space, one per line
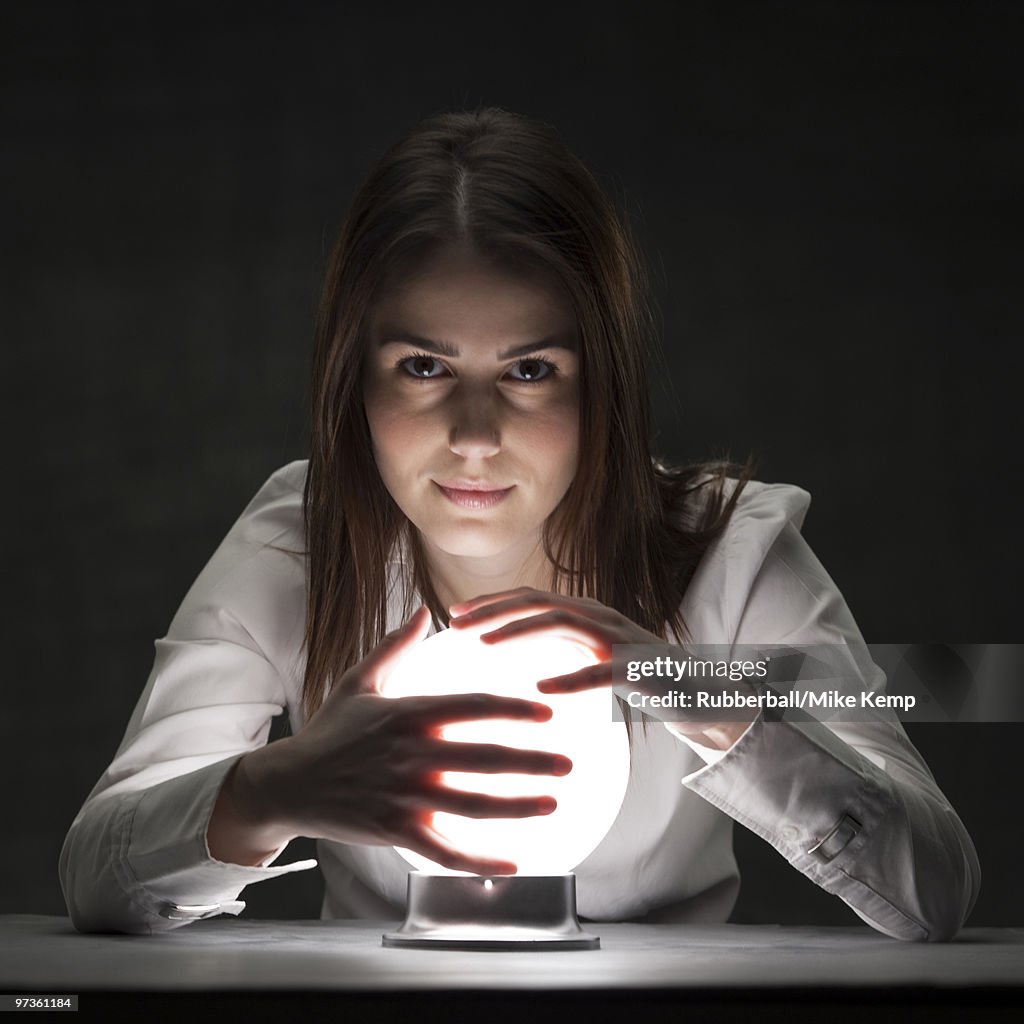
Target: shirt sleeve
135 858
851 804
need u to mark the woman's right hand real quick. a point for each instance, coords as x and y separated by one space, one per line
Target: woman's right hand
367 769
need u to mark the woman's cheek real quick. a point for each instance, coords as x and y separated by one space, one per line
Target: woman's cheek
554 435
393 418
390 444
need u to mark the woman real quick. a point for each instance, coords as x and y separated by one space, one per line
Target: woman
479 447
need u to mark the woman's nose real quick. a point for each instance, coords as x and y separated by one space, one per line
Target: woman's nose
474 428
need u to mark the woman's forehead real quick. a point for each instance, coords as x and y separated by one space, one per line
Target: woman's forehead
457 289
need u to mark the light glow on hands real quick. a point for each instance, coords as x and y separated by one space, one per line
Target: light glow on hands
581 728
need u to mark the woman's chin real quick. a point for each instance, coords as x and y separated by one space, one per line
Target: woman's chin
470 542
472 547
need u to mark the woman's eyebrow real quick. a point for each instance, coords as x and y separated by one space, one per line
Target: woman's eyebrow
444 348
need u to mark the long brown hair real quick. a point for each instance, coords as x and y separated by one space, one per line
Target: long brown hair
630 530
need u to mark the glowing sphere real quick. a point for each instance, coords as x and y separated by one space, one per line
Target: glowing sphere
581 728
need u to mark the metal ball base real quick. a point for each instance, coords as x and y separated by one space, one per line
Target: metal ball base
505 912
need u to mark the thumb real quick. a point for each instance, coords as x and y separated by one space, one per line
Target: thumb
400 640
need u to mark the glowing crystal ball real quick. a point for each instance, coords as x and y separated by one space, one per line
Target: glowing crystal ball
581 728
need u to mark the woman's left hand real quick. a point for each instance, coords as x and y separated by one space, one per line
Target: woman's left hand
530 612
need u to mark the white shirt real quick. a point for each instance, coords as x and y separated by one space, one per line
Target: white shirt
135 859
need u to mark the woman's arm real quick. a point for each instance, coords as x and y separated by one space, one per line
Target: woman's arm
136 858
850 804
137 849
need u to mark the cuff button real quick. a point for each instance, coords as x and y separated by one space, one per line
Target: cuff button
837 840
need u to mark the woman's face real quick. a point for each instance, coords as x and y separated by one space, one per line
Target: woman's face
471 377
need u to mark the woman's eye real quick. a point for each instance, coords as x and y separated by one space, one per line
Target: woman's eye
527 371
532 370
422 367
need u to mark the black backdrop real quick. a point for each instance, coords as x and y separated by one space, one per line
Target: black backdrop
827 194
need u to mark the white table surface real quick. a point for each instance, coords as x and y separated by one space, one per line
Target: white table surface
227 954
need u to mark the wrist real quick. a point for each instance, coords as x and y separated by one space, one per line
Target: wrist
246 826
259 785
722 735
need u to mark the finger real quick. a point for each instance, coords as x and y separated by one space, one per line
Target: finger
498 609
493 758
430 845
482 805
510 610
559 622
589 678
461 607
446 709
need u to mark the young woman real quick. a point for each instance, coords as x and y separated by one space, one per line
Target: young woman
479 455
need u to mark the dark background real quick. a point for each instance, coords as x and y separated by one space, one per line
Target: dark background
827 195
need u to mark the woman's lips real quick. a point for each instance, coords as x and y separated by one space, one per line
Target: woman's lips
474 498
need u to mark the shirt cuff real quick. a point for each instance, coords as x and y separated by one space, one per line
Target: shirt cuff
165 863
792 783
710 755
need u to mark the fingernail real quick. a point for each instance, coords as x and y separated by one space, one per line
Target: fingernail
547 804
563 766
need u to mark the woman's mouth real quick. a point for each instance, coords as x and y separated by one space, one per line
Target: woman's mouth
479 496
